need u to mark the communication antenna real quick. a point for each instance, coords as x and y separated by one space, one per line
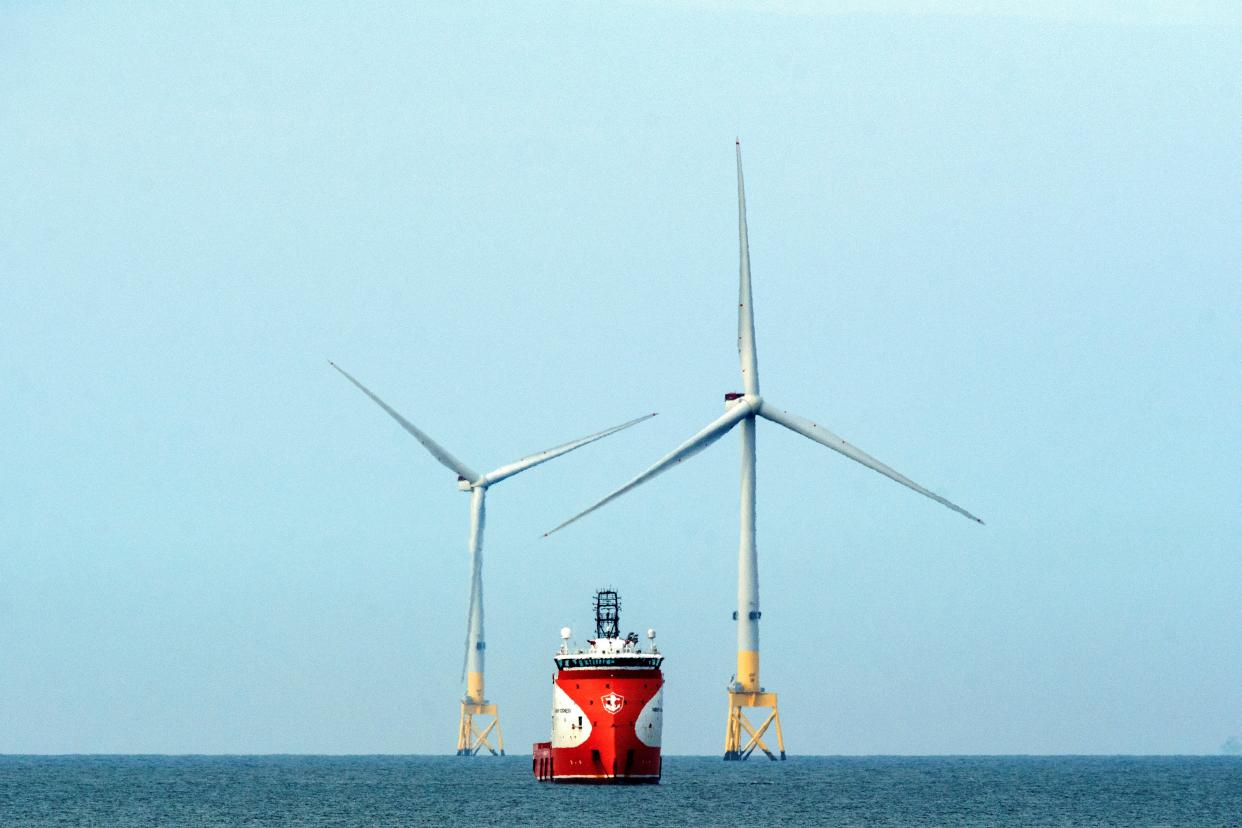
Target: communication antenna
607 614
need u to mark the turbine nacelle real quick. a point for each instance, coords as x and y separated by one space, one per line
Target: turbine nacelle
736 398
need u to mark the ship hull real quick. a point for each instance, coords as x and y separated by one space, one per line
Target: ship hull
606 728
621 762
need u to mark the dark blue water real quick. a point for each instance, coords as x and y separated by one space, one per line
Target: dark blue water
124 791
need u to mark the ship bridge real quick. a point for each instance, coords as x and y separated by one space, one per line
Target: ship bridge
614 653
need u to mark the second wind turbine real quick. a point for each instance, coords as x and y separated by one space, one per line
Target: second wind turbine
471 738
745 690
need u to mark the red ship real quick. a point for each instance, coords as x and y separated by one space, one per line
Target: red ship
607 707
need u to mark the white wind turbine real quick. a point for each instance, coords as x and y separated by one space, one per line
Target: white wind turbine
743 408
471 739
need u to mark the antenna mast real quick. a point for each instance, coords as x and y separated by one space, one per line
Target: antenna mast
607 614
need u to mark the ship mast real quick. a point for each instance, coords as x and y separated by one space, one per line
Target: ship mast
607 614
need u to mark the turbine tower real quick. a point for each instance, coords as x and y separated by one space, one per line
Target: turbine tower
745 690
471 736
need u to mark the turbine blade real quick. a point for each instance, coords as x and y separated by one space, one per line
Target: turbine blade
745 306
465 652
544 456
708 435
824 437
437 451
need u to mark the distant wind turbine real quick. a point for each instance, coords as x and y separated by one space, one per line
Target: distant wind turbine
743 408
470 739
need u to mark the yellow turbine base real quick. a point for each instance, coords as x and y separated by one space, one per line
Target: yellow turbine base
748 670
472 736
735 749
474 687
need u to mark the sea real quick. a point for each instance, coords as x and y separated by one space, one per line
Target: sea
401 791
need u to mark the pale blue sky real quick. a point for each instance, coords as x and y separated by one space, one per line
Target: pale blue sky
1001 253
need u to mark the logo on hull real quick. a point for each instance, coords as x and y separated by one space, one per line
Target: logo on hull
612 702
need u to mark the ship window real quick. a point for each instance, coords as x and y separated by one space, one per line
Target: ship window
580 721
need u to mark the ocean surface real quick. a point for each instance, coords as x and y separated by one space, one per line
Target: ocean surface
124 791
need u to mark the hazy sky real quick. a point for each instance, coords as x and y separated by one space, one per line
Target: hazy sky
1000 252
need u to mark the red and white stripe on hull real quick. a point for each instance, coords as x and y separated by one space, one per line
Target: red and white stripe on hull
607 723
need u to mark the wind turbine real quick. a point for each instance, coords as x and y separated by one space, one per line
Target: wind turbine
745 691
470 738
